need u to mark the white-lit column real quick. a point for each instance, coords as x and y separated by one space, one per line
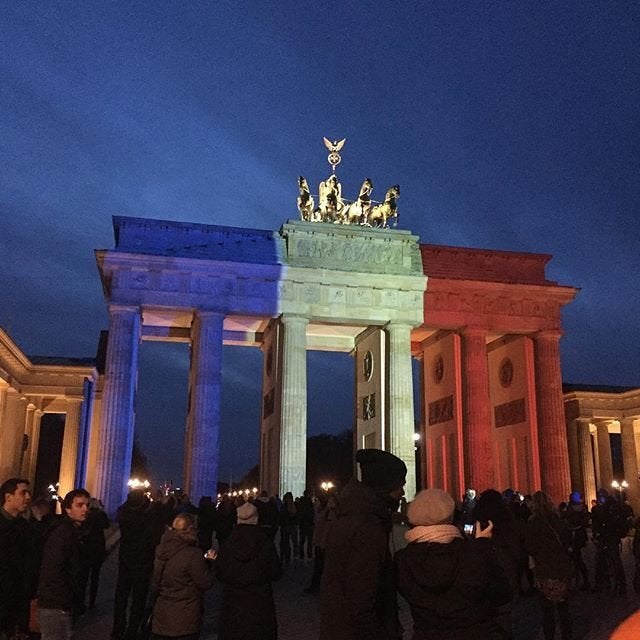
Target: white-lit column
25 468
587 469
203 422
116 434
400 402
604 454
69 456
293 429
630 462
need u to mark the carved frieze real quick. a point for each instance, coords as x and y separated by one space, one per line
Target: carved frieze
441 410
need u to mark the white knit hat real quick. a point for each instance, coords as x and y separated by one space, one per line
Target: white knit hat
431 506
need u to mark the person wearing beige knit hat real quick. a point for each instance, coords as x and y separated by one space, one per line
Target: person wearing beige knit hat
453 584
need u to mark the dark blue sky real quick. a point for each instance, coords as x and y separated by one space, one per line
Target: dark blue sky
508 125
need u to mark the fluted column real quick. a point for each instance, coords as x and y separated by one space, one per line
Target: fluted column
587 469
293 430
203 422
554 456
69 456
25 470
116 434
400 399
630 462
574 455
604 454
35 446
478 439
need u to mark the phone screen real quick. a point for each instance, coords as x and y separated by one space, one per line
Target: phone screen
468 528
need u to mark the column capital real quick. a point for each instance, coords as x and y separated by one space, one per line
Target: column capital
205 314
474 332
550 335
290 319
115 308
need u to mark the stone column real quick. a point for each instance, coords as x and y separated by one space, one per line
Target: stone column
630 462
35 447
293 429
69 456
604 455
116 434
554 456
587 470
574 455
203 422
476 425
400 402
25 470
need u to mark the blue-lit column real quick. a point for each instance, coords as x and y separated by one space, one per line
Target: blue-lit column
116 432
205 397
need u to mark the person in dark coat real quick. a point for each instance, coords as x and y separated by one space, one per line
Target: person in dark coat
181 575
357 594
60 596
288 527
576 517
306 516
453 584
14 548
246 566
548 541
139 534
94 548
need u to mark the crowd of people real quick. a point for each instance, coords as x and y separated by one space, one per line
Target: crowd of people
460 568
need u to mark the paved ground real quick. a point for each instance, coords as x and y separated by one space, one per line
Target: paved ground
595 615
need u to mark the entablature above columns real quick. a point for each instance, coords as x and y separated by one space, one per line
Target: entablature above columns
496 306
600 405
162 281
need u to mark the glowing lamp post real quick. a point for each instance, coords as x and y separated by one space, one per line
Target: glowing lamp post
326 486
620 486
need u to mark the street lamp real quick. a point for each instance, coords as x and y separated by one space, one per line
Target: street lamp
327 485
620 486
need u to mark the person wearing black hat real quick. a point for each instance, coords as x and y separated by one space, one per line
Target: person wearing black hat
358 596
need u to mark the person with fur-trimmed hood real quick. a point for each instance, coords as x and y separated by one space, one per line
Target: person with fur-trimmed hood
358 595
452 584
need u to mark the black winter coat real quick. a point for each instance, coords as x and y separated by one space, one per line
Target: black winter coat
14 547
181 575
358 597
60 582
247 565
452 589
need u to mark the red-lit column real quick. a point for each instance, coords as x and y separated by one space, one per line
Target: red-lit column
478 440
554 456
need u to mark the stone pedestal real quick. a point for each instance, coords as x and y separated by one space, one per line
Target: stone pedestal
203 421
293 430
69 457
587 471
630 462
478 441
400 402
605 475
554 457
116 435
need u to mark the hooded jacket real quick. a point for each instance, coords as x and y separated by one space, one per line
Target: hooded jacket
452 588
246 566
358 596
181 575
